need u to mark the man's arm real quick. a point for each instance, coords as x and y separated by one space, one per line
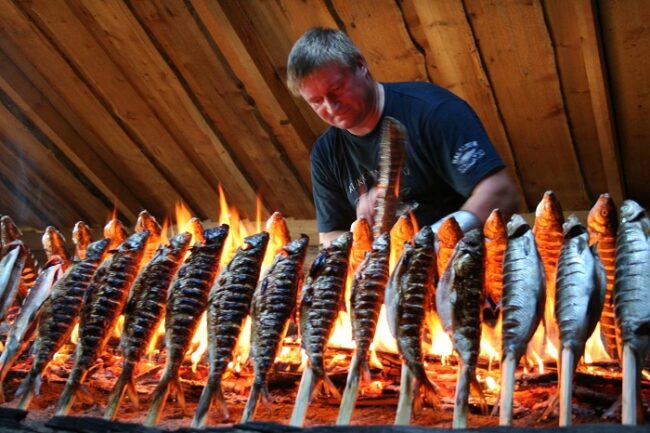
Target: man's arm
495 191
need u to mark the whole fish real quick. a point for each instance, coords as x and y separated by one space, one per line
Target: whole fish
322 296
9 233
186 303
60 313
274 302
392 154
143 314
548 237
448 236
102 305
116 232
459 298
496 240
81 238
279 236
408 298
402 232
12 268
632 299
22 330
148 222
602 224
54 245
229 303
522 305
367 297
579 297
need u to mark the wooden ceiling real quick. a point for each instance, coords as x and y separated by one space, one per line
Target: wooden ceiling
140 103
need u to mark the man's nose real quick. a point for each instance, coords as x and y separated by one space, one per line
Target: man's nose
331 105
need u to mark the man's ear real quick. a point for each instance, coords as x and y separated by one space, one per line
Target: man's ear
363 66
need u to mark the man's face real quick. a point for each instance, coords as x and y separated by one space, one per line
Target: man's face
340 96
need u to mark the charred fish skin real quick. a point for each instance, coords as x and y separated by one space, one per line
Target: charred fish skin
414 291
100 312
229 303
631 293
580 288
322 295
144 312
602 224
524 289
274 301
367 296
186 303
59 314
81 238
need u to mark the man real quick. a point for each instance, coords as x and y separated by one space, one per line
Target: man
451 164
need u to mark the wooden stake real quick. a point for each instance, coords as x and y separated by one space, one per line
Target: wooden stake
303 398
405 403
507 389
566 386
630 383
350 394
461 403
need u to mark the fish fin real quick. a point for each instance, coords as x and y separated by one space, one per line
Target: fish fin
180 395
364 369
160 395
133 393
475 388
418 401
218 399
329 386
203 407
266 395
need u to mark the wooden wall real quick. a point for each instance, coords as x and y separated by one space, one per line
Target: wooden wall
136 104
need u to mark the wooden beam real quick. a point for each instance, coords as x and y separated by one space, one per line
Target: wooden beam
523 74
453 62
18 206
226 105
99 179
35 55
588 28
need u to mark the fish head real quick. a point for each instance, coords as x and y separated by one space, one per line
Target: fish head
134 242
517 226
53 241
495 226
276 226
215 236
449 233
549 212
572 227
9 230
146 221
424 237
178 245
361 234
81 234
631 211
602 218
115 231
257 241
297 246
97 249
382 243
195 227
402 231
343 242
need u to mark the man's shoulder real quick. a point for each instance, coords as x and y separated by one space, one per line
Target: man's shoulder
419 92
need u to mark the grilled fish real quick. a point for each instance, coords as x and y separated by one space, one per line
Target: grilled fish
81 238
54 245
60 313
229 303
631 297
408 297
102 305
459 298
274 301
402 232
448 236
143 314
22 330
522 304
186 303
322 296
548 237
496 240
392 154
581 285
116 232
602 224
148 222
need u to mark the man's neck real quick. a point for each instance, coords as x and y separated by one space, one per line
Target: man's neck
374 114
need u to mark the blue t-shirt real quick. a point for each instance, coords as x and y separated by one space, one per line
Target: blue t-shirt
448 153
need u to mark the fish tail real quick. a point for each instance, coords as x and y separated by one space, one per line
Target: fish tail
205 401
117 394
69 392
329 386
251 403
26 391
160 395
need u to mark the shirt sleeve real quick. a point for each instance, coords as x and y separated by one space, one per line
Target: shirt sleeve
464 152
333 210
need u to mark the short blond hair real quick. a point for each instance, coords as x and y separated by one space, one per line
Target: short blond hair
318 47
